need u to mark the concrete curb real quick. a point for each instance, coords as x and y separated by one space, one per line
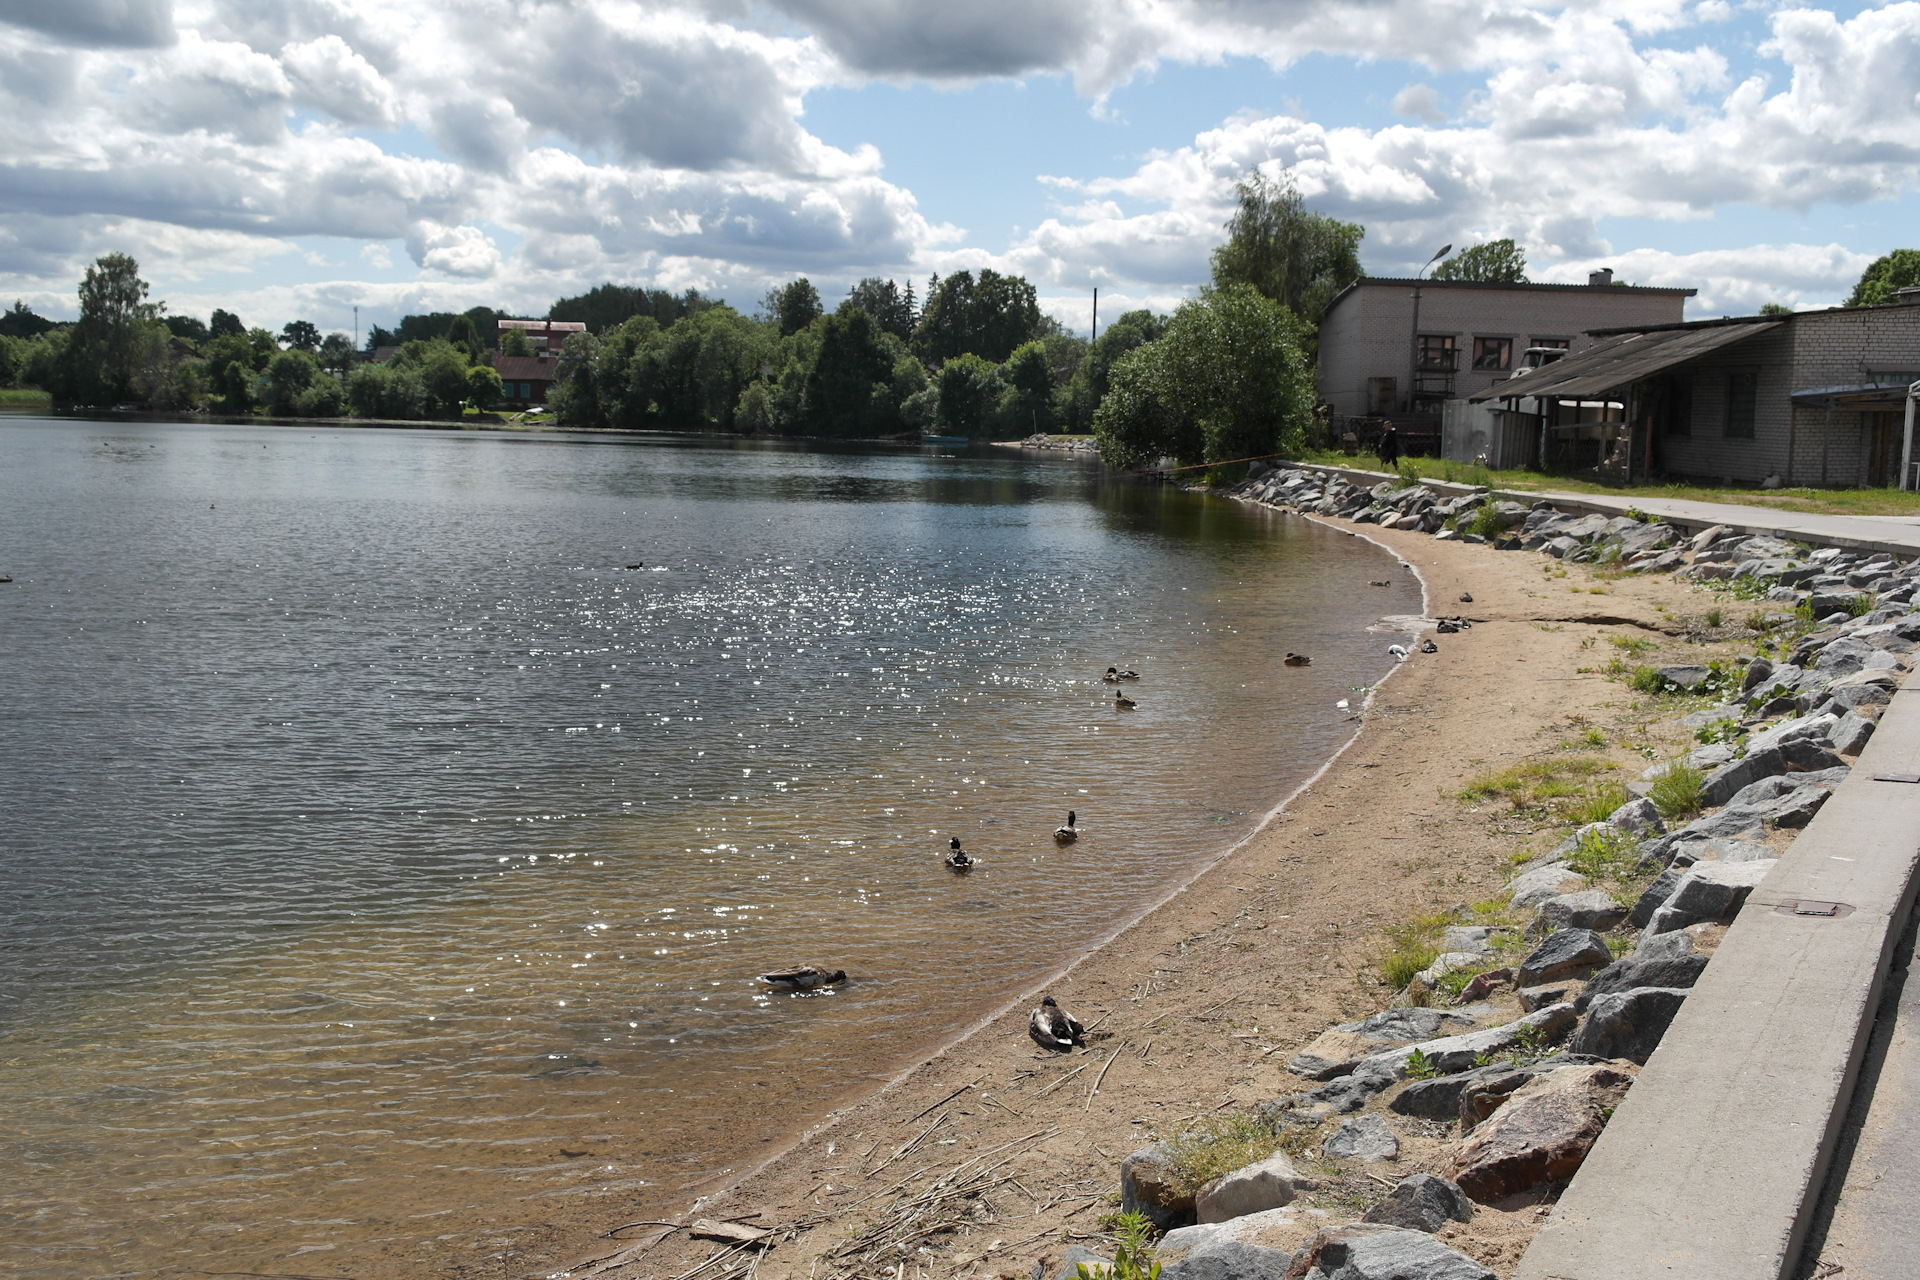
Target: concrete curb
1867 533
1713 1166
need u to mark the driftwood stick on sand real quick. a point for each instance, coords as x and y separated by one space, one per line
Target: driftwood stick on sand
990 1100
1063 1079
944 1101
1097 1080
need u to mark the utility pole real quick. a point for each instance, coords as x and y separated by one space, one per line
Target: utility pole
1414 370
1096 316
356 326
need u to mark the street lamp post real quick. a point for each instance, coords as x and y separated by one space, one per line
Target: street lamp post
1414 367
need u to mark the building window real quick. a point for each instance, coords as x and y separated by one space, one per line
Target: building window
1493 353
1742 394
1557 344
526 391
1436 351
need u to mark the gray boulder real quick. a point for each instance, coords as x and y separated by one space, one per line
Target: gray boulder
1544 996
1815 728
1677 972
1422 1203
1075 1255
1767 790
1757 672
1711 890
1147 1187
1655 896
1362 1138
1567 953
1467 938
1594 909
1850 734
1346 1095
1664 946
1641 817
1809 756
1628 1024
1725 782
1269 1184
1371 1251
1688 676
1335 1051
1456 1053
1797 807
1536 886
1230 1260
1712 715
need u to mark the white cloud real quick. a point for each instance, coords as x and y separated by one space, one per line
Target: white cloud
1420 102
458 251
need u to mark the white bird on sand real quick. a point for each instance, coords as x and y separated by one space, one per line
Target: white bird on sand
1053 1027
1399 652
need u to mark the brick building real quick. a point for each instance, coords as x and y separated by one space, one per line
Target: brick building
1402 348
526 380
1812 398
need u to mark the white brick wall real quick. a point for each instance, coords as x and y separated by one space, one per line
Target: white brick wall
1369 334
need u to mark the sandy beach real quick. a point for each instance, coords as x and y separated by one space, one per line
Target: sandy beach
1196 1006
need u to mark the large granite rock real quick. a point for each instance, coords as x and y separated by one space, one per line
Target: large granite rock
1815 728
1851 732
1567 953
1542 1134
1456 1053
1284 1229
1147 1187
1254 1189
1230 1260
1591 909
1077 1256
1534 887
1334 1052
1422 1203
1680 971
1371 1251
1365 1138
1809 756
1729 779
1664 946
1344 1095
1628 1024
1641 817
1711 890
1656 894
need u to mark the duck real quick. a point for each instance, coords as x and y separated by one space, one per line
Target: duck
1069 833
959 859
1129 675
1399 652
1112 676
1053 1027
1466 597
1296 659
1428 646
1122 702
806 977
1447 628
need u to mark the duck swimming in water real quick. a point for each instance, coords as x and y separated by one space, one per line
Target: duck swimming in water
1053 1027
1115 675
1069 833
1296 660
1122 702
806 977
959 859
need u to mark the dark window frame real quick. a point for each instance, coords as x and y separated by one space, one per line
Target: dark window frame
1492 354
1558 344
1743 403
1438 350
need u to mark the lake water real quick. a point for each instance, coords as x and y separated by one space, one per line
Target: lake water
387 864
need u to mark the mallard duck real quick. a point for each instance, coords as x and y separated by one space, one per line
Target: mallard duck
1466 597
1112 676
1428 646
1053 1027
1069 833
1129 675
806 977
1447 628
1296 659
958 859
1122 702
1399 652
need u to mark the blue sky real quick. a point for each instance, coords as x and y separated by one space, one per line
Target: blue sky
294 161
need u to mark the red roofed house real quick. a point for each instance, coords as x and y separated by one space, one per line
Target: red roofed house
526 380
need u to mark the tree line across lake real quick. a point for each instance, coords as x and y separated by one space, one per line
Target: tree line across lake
1228 375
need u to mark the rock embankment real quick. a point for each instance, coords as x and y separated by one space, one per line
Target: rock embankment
1550 1014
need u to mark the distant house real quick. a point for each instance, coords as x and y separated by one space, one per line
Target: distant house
1400 349
1811 398
526 380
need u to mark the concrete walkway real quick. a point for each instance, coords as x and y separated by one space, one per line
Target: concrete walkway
1897 535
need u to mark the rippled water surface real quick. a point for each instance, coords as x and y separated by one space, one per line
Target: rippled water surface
395 822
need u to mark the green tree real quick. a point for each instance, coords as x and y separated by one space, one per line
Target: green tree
987 317
462 333
230 372
1299 259
969 387
111 342
484 387
387 391
608 306
795 306
225 323
891 307
1230 379
513 342
1088 387
1885 277
336 353
442 370
1495 262
187 328
301 335
19 321
288 374
850 365
1026 405
1775 309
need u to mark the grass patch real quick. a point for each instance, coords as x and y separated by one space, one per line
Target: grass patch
1411 948
25 397
1633 646
1676 793
1217 1145
1599 804
1556 784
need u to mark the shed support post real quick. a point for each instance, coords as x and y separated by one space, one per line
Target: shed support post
1906 445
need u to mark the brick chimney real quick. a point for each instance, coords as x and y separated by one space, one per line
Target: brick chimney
1907 297
1601 279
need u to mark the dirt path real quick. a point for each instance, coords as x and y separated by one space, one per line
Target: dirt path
1197 1006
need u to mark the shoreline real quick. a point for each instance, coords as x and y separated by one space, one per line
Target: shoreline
787 1189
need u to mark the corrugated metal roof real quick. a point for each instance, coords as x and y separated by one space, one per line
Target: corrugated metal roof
1614 363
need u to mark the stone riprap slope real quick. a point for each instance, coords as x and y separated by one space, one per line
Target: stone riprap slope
1523 1035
